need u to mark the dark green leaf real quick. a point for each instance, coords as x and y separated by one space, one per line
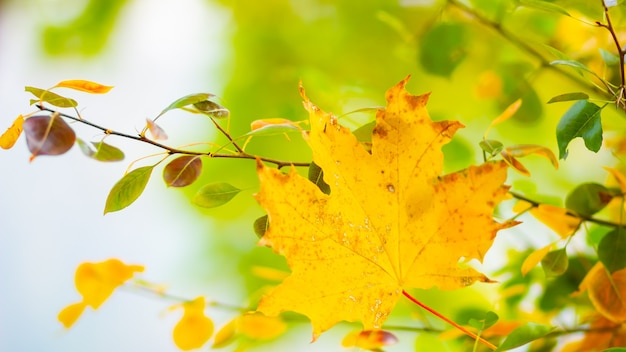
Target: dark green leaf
581 120
48 135
212 109
100 151
569 97
612 250
215 194
316 175
544 6
261 225
182 171
442 49
128 189
50 97
490 146
588 198
186 100
524 334
555 263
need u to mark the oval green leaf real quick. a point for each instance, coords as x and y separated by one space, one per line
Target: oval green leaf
271 130
524 334
583 120
215 194
612 250
100 151
186 100
50 97
316 175
261 225
182 171
443 48
569 97
588 198
555 263
128 189
48 135
212 109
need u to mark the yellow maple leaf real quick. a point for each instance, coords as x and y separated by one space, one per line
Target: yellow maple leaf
390 222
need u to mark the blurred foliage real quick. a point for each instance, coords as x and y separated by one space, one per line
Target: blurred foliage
476 57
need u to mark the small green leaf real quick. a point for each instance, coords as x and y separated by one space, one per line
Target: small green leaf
490 146
186 100
100 151
261 225
128 189
50 97
581 120
578 66
215 194
612 249
212 109
569 97
443 48
182 171
555 263
485 322
524 334
588 198
316 175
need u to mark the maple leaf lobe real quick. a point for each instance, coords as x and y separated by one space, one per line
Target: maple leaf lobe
391 221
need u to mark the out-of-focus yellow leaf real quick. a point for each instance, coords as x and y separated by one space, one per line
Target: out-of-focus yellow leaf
194 329
514 163
84 86
260 327
505 115
601 335
521 206
534 258
225 335
267 273
619 178
10 136
522 150
607 294
557 219
489 85
97 281
256 124
71 313
369 339
156 131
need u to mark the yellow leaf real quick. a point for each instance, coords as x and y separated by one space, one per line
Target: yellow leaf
84 86
194 329
505 115
556 218
522 150
619 178
267 273
10 136
71 313
390 222
534 258
97 281
601 335
256 124
512 161
225 335
260 327
607 294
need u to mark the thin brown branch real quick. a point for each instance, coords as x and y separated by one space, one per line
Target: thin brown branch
569 213
620 52
171 150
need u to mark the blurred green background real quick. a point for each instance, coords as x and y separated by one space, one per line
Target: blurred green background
253 54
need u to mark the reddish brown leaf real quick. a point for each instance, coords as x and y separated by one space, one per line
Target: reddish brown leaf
48 135
182 171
